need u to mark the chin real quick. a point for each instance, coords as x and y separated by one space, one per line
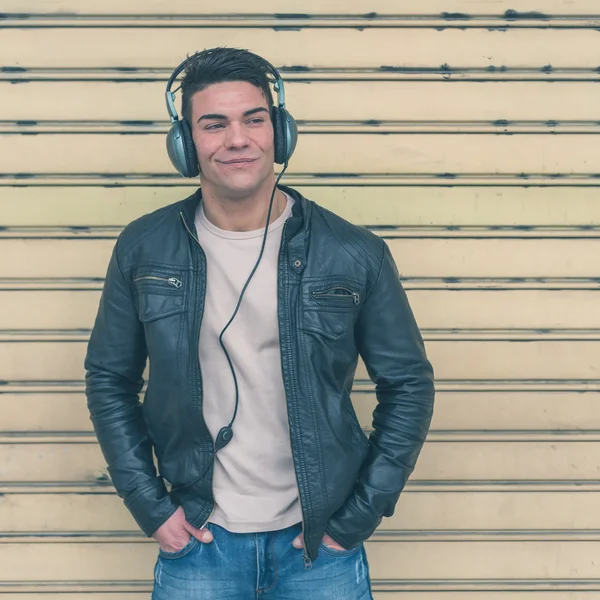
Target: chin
241 189
237 185
243 184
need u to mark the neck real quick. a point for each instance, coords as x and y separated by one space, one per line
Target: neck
248 213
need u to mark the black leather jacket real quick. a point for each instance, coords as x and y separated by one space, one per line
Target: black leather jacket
339 296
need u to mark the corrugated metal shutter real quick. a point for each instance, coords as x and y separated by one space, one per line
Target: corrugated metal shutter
462 131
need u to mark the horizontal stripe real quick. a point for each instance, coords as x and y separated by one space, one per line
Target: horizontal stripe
411 562
468 8
416 258
17 336
456 461
385 231
434 436
525 413
432 513
138 104
430 536
491 74
319 127
546 385
424 154
308 180
517 591
371 48
368 205
103 486
488 284
528 414
387 592
49 594
453 360
282 22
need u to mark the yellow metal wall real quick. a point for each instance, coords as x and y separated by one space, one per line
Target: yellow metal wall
465 132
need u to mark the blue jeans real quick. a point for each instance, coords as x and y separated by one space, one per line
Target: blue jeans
249 566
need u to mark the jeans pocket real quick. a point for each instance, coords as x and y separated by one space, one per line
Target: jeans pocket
334 552
179 553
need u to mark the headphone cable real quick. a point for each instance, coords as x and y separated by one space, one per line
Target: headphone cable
226 433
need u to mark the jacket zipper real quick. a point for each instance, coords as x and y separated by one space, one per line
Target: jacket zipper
305 556
172 281
330 293
212 471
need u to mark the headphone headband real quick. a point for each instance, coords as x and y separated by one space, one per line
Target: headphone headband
170 96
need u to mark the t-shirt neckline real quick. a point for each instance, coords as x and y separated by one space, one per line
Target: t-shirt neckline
245 235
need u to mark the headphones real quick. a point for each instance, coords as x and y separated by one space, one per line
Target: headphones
180 143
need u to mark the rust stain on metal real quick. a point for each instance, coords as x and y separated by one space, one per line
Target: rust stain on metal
514 15
456 16
292 16
296 69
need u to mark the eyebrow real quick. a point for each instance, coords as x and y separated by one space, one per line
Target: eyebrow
219 117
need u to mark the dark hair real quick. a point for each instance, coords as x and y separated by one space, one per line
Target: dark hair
216 65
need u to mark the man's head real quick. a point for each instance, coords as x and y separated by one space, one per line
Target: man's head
227 103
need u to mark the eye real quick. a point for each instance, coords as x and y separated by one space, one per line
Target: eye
256 120
213 126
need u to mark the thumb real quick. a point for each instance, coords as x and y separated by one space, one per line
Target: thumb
298 542
202 535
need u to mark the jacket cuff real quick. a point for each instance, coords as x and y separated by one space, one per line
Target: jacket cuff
350 526
151 508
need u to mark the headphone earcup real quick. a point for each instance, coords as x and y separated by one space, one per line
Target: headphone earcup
181 149
278 135
190 150
285 133
291 133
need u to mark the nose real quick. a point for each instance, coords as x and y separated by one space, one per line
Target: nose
236 136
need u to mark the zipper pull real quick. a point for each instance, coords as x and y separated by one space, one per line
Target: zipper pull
356 297
307 561
176 283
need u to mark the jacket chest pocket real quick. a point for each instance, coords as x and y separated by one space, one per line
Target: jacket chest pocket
338 296
160 293
330 306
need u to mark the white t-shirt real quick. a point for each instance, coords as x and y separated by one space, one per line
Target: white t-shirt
254 482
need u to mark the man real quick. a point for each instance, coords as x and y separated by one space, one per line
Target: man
253 335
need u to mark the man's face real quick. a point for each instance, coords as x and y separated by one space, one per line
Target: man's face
233 135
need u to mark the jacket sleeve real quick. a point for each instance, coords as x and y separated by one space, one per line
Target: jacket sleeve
114 364
391 347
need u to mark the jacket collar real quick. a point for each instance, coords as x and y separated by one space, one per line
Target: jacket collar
296 231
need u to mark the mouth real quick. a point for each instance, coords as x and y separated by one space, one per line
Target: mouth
239 161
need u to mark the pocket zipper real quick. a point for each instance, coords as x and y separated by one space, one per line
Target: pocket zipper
172 281
330 293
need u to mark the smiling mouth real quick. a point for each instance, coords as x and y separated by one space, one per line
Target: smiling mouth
239 161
